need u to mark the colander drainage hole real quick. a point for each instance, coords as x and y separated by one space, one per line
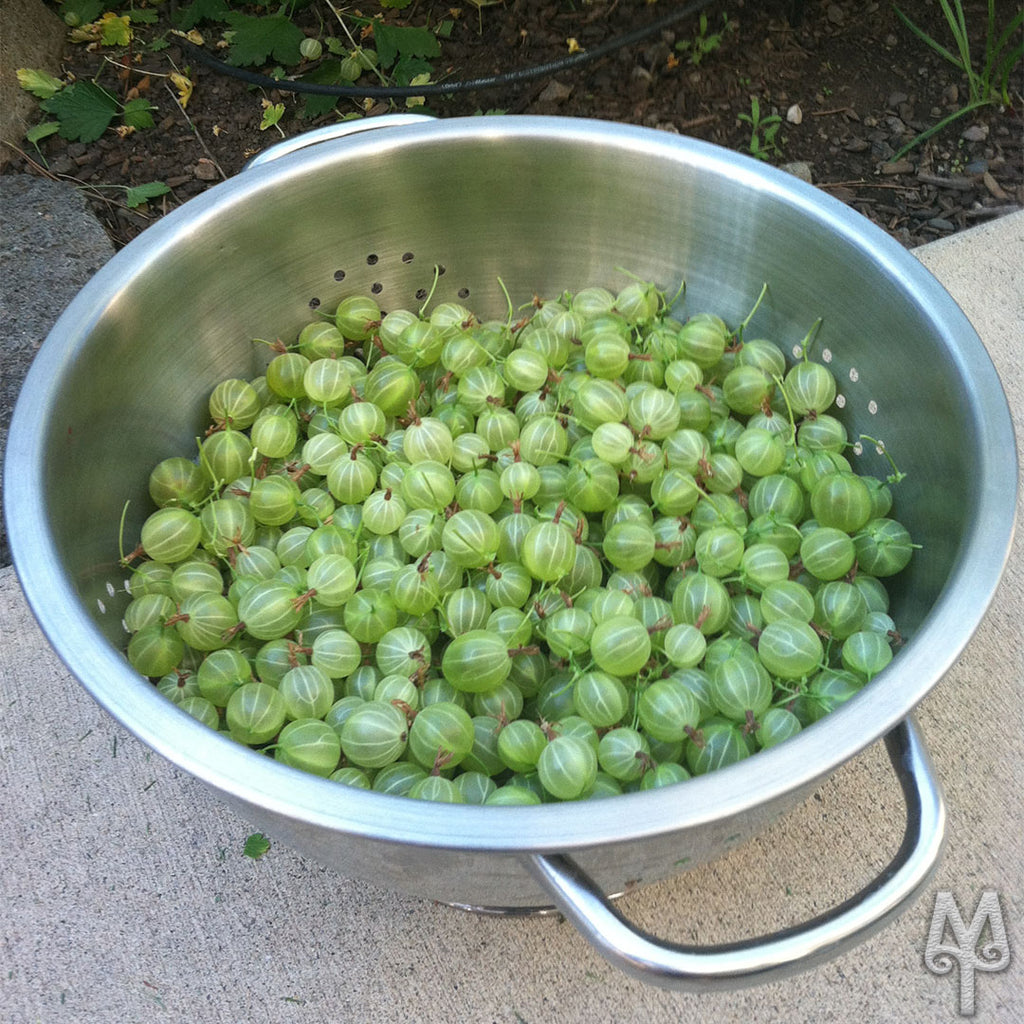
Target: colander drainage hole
407 257
376 288
463 293
421 294
314 303
372 259
339 275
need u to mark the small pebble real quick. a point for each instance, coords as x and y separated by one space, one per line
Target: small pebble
206 170
975 133
977 167
555 92
799 169
899 167
895 99
856 145
941 224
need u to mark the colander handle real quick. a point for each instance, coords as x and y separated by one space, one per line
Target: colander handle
332 131
775 956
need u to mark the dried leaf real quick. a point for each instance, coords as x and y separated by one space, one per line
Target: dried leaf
194 36
184 85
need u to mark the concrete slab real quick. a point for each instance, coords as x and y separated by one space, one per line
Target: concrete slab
126 895
50 245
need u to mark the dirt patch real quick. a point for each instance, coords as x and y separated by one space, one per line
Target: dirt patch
849 84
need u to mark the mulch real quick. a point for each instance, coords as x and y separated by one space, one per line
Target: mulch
850 85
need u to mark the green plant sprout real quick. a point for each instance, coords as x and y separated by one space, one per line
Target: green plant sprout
703 42
987 85
763 131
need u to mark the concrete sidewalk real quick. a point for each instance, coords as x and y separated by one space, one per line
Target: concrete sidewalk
126 896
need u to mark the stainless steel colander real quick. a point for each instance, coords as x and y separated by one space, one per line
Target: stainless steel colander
536 206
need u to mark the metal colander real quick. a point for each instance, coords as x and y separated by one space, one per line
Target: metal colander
534 206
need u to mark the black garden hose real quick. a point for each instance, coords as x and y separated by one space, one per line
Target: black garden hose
508 78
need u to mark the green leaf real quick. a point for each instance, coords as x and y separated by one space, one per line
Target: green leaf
200 10
42 131
39 83
116 30
85 11
408 69
143 16
328 73
138 194
139 113
395 5
83 109
271 115
392 42
255 40
256 845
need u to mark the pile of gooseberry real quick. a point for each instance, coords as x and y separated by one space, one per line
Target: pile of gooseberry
595 549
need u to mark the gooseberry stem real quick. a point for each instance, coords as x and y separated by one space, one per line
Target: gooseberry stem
896 476
746 320
809 338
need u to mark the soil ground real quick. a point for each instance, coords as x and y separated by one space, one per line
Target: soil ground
849 82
